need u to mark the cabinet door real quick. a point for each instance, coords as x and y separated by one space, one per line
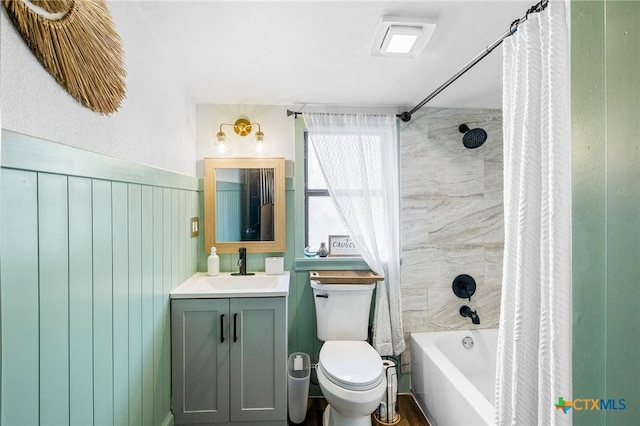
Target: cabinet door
200 360
258 359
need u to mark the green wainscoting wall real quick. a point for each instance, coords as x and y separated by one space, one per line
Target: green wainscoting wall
606 208
91 248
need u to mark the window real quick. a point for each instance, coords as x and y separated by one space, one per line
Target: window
321 217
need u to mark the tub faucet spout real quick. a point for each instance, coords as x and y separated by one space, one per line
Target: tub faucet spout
466 311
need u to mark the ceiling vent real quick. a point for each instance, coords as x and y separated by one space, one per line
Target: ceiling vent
401 37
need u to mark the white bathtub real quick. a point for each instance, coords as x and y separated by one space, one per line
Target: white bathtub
455 385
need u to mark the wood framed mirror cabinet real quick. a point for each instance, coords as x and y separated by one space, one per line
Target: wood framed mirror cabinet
244 204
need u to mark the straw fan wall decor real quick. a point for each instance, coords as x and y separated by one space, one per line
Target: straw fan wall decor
76 41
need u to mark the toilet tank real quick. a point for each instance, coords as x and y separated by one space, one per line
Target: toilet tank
342 310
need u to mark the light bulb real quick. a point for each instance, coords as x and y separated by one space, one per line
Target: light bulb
261 148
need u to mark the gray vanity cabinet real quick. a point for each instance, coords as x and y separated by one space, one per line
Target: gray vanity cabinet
229 360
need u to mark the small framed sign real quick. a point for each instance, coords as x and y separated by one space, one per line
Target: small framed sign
342 245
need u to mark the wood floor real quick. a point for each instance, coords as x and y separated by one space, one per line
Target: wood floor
410 414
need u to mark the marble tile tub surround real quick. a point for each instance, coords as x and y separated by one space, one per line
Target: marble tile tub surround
452 219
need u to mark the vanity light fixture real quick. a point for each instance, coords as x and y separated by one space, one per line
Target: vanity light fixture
401 37
241 127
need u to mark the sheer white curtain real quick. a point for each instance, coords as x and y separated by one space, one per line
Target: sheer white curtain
534 341
358 155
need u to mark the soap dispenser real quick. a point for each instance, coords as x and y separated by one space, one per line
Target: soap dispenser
213 263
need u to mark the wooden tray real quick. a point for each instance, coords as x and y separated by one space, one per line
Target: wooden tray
345 277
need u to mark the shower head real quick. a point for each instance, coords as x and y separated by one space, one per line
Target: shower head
472 138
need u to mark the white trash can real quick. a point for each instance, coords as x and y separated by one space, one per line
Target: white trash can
299 373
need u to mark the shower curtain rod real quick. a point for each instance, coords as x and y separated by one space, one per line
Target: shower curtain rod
539 7
406 116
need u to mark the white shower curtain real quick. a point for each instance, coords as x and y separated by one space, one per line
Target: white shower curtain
534 341
358 155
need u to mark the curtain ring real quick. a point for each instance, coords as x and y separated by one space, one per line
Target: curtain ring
514 26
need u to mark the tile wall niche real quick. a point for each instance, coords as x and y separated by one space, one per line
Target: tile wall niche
452 219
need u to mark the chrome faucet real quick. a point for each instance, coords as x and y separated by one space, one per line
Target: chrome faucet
242 262
466 311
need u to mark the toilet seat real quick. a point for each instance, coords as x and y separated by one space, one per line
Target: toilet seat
352 365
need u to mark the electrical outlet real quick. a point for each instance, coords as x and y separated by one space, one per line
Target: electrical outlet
195 226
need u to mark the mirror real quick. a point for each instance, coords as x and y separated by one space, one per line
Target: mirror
244 204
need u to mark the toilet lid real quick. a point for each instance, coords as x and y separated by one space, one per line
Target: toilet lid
353 365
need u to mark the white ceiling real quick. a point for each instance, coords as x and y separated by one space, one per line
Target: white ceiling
317 52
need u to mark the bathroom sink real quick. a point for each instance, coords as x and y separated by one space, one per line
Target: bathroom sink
247 282
226 285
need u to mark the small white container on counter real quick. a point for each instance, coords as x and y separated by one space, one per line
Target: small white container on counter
213 263
274 265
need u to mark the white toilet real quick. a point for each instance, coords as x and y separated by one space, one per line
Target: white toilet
349 370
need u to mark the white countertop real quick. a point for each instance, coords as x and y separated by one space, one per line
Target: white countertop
225 285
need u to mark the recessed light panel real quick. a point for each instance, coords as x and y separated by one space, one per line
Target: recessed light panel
401 37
